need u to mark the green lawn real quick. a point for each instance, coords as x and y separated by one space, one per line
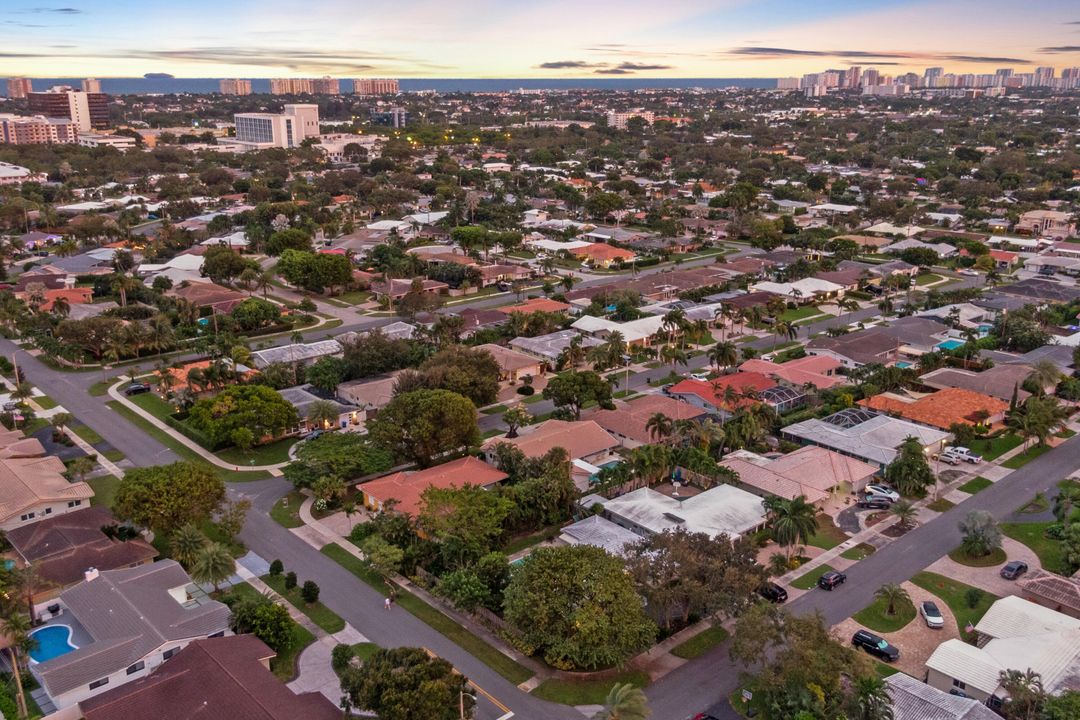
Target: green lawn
873 616
365 650
102 388
269 454
283 665
701 643
153 404
993 448
941 505
318 613
828 535
1033 535
474 645
809 580
928 278
975 485
953 594
183 451
114 455
1019 461
997 557
104 490
586 692
494 410
859 552
520 542
286 511
535 398
87 433
45 402
800 313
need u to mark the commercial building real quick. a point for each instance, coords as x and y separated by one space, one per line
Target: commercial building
17 174
36 130
18 88
234 86
88 111
119 142
394 117
286 129
91 85
376 86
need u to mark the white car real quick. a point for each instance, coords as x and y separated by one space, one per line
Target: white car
968 271
931 614
881 491
956 455
703 377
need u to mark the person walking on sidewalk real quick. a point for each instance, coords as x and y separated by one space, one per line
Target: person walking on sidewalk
386 603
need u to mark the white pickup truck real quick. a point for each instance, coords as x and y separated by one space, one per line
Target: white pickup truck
957 455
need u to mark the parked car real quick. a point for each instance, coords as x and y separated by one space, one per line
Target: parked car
931 614
773 593
875 502
503 286
831 579
1014 569
881 491
701 376
877 646
968 271
136 389
312 435
960 454
11 405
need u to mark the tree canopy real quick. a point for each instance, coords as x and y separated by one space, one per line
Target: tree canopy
166 497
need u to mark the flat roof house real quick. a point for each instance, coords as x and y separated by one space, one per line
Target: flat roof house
122 625
723 509
302 353
864 434
406 487
549 347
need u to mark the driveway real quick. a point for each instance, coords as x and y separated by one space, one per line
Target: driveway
988 578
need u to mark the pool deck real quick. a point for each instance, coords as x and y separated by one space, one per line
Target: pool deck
79 636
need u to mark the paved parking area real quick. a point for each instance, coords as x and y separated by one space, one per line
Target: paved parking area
988 578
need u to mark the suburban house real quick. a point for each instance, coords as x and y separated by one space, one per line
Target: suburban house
228 677
806 290
535 305
629 420
297 353
1060 594
369 394
208 295
60 549
864 434
406 487
549 347
599 532
906 337
913 699
48 297
474 320
513 364
1014 634
302 398
34 488
811 471
396 288
121 625
1000 381
634 332
721 510
816 370
942 408
587 444
602 255
744 388
1046 223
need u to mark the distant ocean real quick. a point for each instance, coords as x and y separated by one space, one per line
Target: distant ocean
126 86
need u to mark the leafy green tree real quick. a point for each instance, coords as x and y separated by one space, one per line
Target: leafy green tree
309 592
471 372
222 264
466 522
624 702
421 426
515 418
1062 707
326 373
407 683
258 408
596 618
283 240
263 618
345 456
255 313
571 390
213 564
166 497
382 557
981 535
909 472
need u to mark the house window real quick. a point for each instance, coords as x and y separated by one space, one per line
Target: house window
132 669
99 683
27 516
169 653
48 511
219 633
74 503
959 685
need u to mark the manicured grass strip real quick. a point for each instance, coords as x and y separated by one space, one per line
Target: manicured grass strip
365 650
519 543
283 665
87 433
997 557
319 614
701 643
153 404
494 410
940 505
586 692
1050 552
828 535
286 511
101 388
269 454
809 580
45 402
1019 461
927 279
975 485
873 616
183 451
884 670
476 647
859 552
800 313
954 594
114 455
104 490
996 447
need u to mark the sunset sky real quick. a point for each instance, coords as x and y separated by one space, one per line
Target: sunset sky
530 38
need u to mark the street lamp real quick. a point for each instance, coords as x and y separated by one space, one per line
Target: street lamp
461 702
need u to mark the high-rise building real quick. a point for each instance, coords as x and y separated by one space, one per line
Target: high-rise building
396 117
376 86
618 120
88 111
931 75
852 76
36 130
791 83
871 76
284 130
91 85
1044 76
325 86
234 87
19 87
290 86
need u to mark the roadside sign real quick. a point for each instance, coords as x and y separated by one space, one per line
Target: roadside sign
747 696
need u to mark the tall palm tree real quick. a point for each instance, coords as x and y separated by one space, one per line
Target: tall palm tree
16 627
795 521
659 426
214 564
724 354
891 594
61 307
624 702
1067 499
905 511
573 354
783 328
1044 373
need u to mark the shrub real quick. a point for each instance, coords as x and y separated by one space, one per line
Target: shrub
341 656
290 580
310 592
276 568
526 390
972 597
1056 531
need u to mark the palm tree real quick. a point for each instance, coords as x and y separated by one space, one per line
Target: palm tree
186 544
659 426
1044 373
674 322
724 354
16 627
795 522
624 702
214 564
121 283
323 413
1067 499
905 511
871 700
783 328
891 594
573 354
61 307
672 354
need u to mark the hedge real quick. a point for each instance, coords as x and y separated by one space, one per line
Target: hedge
194 434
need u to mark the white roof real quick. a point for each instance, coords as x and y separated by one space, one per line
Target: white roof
599 532
632 331
915 700
875 439
887 228
428 218
555 246
236 239
8 170
1013 616
967 663
722 509
806 287
835 207
388 225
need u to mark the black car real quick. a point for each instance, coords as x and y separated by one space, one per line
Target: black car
1013 569
875 503
831 579
876 646
136 389
773 593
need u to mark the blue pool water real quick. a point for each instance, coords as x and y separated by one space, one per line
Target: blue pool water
904 364
950 344
52 641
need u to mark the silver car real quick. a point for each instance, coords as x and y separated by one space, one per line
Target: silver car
931 614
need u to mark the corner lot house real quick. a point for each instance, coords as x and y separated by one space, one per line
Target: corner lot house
405 488
943 408
119 626
810 471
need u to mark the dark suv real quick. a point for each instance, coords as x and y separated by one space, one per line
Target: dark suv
831 579
773 593
1014 569
876 646
136 389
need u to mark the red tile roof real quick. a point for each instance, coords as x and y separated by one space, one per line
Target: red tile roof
941 409
407 487
712 391
535 305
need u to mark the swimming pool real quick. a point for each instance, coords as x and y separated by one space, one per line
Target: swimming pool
52 641
950 344
904 364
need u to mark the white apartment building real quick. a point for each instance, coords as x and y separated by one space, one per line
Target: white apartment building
287 129
618 120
